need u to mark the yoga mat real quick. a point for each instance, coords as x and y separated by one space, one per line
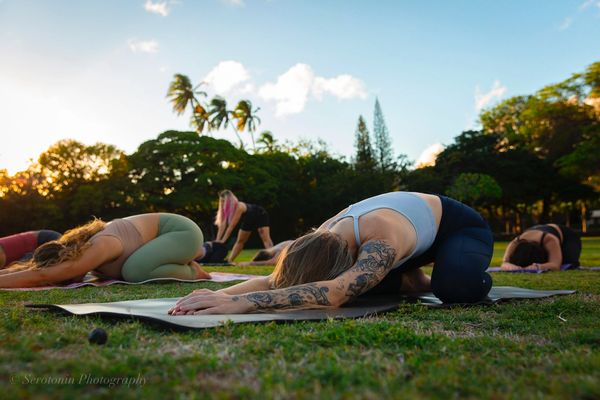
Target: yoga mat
564 267
91 280
156 309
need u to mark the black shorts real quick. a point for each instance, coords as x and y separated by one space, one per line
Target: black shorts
255 217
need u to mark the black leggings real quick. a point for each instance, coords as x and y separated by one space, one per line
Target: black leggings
461 252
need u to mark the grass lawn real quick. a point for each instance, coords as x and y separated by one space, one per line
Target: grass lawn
545 348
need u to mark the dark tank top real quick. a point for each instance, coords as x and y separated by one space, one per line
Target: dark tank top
570 243
546 229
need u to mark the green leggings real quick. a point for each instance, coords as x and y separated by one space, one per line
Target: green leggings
167 255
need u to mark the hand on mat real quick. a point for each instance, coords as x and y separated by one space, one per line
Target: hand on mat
243 264
510 267
205 301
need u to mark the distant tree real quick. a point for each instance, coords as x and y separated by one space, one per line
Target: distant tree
182 94
384 154
362 142
583 163
558 125
68 163
475 189
214 114
246 118
267 142
551 122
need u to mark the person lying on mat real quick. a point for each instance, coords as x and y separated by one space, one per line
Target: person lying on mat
212 253
134 249
20 247
543 247
374 246
252 217
266 256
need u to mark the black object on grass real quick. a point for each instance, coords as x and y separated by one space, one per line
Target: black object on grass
97 336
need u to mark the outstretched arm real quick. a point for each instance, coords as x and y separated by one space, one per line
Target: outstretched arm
95 255
376 258
251 285
234 221
220 231
506 265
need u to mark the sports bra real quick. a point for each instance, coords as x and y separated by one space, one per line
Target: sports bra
128 235
411 206
546 229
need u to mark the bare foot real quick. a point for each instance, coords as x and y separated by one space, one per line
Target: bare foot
200 273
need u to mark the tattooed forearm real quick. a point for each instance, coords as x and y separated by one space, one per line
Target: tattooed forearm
302 296
375 260
358 286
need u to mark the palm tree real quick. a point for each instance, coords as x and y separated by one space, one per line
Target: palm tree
220 116
246 118
268 142
182 94
200 118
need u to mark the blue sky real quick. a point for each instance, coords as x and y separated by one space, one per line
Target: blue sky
98 70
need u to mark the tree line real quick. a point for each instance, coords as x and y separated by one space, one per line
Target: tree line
534 159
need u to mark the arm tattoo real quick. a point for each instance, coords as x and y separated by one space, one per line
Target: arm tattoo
292 297
375 260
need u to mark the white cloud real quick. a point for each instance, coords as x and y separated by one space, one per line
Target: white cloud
429 155
586 4
342 86
294 88
290 91
483 99
565 24
226 76
235 3
247 88
161 8
143 46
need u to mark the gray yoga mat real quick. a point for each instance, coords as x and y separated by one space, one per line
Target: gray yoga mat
156 309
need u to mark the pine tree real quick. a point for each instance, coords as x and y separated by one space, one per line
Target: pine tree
384 155
364 150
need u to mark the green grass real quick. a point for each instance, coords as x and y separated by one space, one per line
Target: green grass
542 349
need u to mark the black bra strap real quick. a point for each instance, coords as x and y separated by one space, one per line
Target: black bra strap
542 239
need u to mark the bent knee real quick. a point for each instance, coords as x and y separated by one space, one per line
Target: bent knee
130 274
466 288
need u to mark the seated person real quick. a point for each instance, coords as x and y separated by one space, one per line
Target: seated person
20 247
543 247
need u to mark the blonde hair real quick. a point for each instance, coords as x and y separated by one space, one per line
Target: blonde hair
228 203
69 246
316 256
